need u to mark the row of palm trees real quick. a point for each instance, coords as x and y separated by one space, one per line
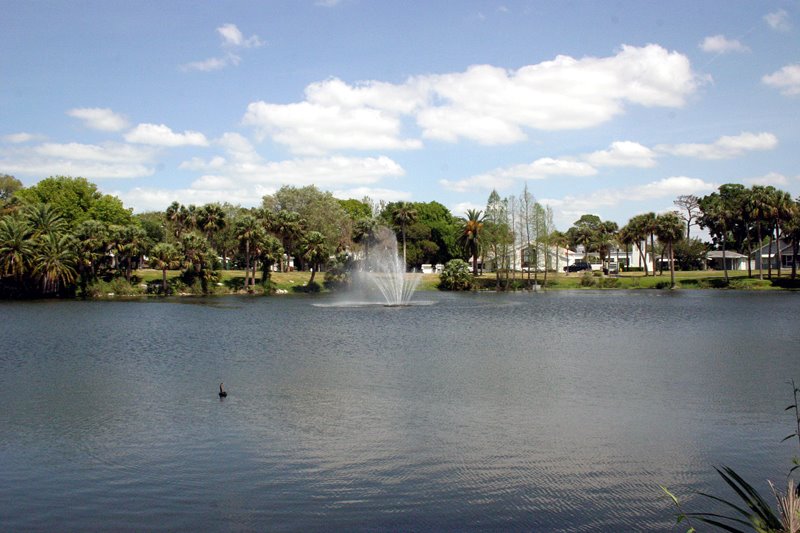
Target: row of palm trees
40 252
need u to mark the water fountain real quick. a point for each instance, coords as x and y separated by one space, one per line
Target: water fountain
385 270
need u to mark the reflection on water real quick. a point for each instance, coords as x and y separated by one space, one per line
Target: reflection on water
552 411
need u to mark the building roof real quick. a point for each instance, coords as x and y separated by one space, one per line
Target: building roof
769 249
729 254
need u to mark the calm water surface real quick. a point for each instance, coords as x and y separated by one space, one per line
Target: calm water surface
545 412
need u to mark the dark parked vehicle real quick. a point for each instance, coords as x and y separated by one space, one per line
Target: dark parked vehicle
578 266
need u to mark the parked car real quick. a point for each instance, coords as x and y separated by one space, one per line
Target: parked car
578 266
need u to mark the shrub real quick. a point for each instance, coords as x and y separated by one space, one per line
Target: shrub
608 283
338 276
456 276
587 279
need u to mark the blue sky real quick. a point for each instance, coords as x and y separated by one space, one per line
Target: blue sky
612 108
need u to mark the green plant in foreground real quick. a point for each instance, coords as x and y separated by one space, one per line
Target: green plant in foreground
753 512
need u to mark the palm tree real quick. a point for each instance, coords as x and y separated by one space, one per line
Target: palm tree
16 247
783 208
650 223
55 261
165 256
176 216
314 251
129 243
637 233
44 218
606 234
470 238
195 250
288 226
210 220
364 232
271 252
246 228
792 230
716 218
760 211
625 237
404 215
669 230
92 237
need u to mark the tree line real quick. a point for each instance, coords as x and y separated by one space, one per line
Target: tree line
62 236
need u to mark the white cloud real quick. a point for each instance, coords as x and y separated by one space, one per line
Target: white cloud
786 79
312 129
327 3
623 154
244 178
98 118
501 178
665 188
719 44
778 20
149 199
773 178
21 137
492 105
460 209
486 104
387 195
232 36
212 63
161 135
723 148
109 160
232 39
243 164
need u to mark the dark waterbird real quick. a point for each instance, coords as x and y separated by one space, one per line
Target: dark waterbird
222 392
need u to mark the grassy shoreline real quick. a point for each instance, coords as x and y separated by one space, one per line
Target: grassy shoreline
294 282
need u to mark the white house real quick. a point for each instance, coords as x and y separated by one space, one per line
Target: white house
526 257
733 260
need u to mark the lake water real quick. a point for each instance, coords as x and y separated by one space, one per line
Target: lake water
557 411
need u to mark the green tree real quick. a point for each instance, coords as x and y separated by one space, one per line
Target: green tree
356 209
270 253
669 229
716 219
211 220
758 204
319 210
92 245
584 232
16 247
77 200
456 276
8 186
690 254
247 228
314 251
55 261
365 233
165 256
288 226
44 218
404 214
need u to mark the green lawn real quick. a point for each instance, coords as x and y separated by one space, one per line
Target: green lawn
626 280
